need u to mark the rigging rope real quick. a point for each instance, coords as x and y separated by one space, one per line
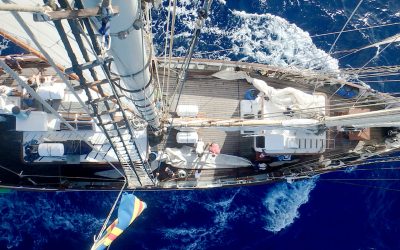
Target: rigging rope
382 81
344 26
395 40
166 41
357 29
181 78
390 40
202 15
171 45
97 238
362 185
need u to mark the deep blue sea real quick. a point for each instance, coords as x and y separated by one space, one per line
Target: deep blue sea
346 210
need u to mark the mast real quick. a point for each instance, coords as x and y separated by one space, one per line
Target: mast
380 118
132 63
237 124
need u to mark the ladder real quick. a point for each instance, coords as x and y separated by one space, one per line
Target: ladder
118 123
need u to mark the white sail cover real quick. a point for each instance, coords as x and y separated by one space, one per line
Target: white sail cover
291 98
187 158
287 97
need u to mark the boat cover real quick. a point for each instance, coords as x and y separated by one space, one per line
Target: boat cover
187 158
230 75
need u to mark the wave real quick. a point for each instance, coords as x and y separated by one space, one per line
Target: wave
36 218
221 212
238 35
283 203
273 40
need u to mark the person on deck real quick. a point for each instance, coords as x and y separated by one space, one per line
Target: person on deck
214 149
17 112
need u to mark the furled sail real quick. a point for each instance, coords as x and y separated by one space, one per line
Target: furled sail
288 98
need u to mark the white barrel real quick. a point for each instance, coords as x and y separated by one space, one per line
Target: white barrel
51 149
187 110
187 137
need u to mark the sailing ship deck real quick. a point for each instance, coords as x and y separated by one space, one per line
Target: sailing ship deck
215 98
219 99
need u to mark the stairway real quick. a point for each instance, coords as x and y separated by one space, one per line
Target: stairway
118 123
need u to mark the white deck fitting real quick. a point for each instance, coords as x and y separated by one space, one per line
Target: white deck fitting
298 141
96 138
36 121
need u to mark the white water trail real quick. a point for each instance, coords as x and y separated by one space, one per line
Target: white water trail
223 212
283 202
273 40
239 35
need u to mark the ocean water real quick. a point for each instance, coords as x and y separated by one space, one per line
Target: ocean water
344 210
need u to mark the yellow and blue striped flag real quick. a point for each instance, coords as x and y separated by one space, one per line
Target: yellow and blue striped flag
129 209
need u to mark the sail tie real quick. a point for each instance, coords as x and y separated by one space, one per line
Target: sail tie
344 26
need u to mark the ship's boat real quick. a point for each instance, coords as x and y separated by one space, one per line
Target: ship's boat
90 106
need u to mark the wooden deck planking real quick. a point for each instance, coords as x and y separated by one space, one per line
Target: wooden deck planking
210 94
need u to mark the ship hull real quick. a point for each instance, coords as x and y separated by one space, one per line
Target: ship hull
207 92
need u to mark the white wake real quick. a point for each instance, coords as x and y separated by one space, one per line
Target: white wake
283 202
238 35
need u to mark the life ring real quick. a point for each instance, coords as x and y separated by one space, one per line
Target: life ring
182 173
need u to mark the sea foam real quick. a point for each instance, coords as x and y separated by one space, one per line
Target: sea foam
238 35
283 202
223 210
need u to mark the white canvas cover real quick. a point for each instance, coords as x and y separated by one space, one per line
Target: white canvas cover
187 158
53 91
51 149
230 74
